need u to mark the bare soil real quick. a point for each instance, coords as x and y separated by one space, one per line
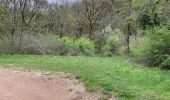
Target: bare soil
32 85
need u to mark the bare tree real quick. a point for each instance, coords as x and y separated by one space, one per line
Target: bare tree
28 13
14 22
93 12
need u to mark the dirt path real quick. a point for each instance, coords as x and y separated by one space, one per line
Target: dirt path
24 85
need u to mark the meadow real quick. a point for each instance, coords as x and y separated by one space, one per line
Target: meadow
110 75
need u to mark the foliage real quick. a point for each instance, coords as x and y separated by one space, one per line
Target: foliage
146 20
102 36
112 41
137 4
66 41
82 46
112 76
2 12
129 29
110 46
168 25
48 45
67 46
86 46
51 44
154 13
157 50
137 45
38 44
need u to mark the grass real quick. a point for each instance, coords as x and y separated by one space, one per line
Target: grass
108 75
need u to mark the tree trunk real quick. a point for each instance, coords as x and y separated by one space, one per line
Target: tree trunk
20 40
12 47
90 31
128 39
12 41
21 33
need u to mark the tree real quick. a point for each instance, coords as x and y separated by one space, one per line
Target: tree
2 17
128 27
28 13
93 12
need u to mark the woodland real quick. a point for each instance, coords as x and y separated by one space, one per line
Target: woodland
120 48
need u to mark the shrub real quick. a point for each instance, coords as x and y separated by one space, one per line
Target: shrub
111 46
66 42
137 44
168 25
48 44
157 51
38 44
86 46
166 62
52 44
1 46
67 46
101 38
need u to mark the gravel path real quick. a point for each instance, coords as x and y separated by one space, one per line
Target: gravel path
31 85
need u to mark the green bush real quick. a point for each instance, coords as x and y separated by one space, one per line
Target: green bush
168 25
166 62
111 46
86 46
157 51
66 41
67 46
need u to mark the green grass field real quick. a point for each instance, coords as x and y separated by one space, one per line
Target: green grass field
108 75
